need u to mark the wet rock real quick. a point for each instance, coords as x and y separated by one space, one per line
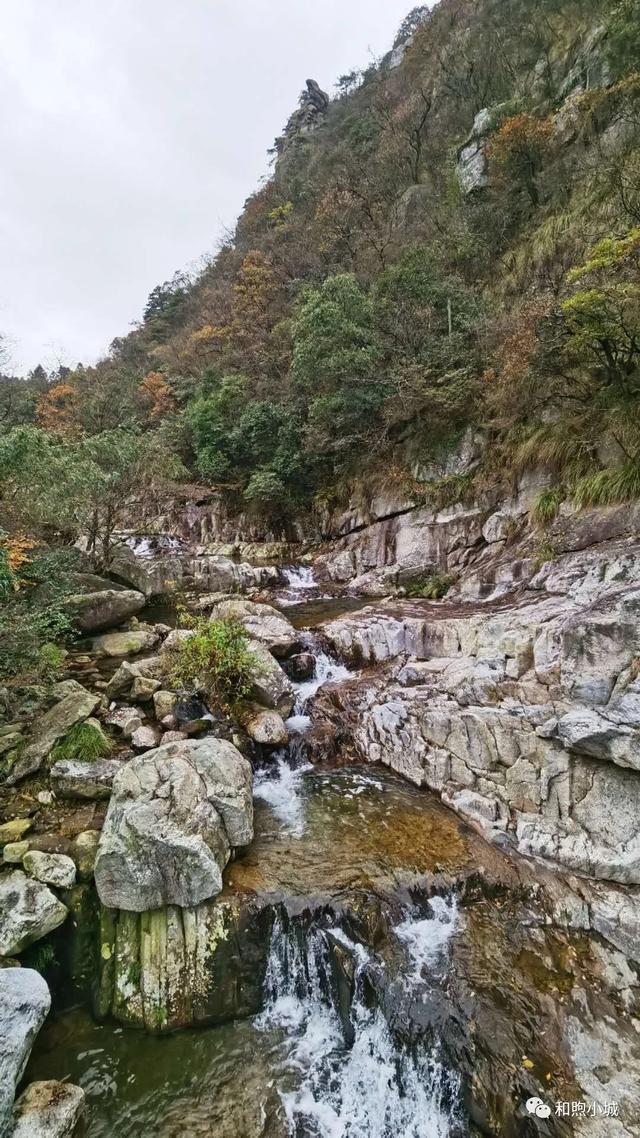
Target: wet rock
145 738
106 608
14 830
50 868
24 1004
48 1110
74 705
164 703
301 667
125 643
262 622
85 849
270 686
72 779
28 911
174 816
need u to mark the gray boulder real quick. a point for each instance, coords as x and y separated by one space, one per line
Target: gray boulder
266 727
125 643
270 686
24 1004
48 1109
106 608
175 813
89 781
587 732
74 706
122 680
53 869
262 622
28 911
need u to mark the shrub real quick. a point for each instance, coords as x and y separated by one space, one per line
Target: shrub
216 659
431 588
84 743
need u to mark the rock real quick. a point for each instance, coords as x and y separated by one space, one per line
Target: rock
164 703
50 868
587 732
261 622
122 680
9 741
91 781
175 638
125 643
173 737
301 667
265 727
175 813
48 1110
84 850
24 1004
144 688
91 612
270 686
125 719
14 830
75 705
145 738
14 852
28 911
45 797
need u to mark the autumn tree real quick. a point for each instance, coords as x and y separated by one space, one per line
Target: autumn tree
518 150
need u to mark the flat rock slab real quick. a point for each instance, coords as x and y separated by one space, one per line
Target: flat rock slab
86 781
24 1004
125 643
175 813
28 911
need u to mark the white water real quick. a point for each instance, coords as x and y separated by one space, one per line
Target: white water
283 793
374 1089
425 939
300 577
328 671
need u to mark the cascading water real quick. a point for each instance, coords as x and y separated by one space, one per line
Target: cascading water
299 578
425 938
281 790
327 671
375 1088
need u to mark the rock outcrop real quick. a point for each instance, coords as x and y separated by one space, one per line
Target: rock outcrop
105 608
73 705
175 815
24 1004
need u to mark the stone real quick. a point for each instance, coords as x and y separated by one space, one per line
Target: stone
71 779
125 719
45 797
121 681
145 738
144 688
587 732
74 705
270 686
301 667
174 816
14 830
14 852
265 727
125 643
173 737
84 851
28 911
50 868
24 1004
164 703
10 741
176 638
261 622
48 1109
106 608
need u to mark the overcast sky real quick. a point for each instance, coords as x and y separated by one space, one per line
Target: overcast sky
131 133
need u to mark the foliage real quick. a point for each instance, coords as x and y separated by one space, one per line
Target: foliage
84 743
432 587
33 616
547 505
215 660
518 151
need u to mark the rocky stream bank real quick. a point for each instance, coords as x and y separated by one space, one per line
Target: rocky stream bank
398 892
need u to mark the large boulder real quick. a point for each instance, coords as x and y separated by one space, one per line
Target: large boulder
587 732
24 1004
125 643
106 608
262 622
74 705
270 686
48 1109
28 911
174 816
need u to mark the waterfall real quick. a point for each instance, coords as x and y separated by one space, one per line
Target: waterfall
282 791
327 671
375 1088
299 577
425 938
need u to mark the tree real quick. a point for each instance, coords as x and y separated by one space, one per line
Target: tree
518 151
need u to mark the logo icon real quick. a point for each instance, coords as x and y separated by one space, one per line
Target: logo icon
538 1107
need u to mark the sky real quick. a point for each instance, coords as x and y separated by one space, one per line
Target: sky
132 132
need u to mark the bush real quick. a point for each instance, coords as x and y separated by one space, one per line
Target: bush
216 660
84 743
32 615
431 588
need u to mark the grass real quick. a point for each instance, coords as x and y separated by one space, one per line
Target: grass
548 505
83 743
608 486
